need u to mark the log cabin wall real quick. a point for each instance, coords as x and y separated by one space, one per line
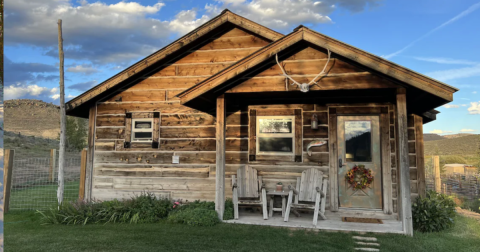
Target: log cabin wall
120 172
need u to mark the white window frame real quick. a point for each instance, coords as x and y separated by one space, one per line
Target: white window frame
275 135
142 130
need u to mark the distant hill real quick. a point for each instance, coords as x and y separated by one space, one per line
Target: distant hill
468 144
432 137
458 135
32 118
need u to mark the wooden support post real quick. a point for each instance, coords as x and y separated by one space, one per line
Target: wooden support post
220 161
7 178
53 163
90 152
63 120
436 171
403 164
419 149
83 169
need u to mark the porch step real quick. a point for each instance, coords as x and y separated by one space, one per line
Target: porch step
367 243
361 238
367 249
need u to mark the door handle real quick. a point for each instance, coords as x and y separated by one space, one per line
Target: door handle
340 164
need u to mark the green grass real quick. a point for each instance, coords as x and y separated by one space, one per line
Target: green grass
23 232
42 196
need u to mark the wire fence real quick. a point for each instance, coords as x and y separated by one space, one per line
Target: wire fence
35 181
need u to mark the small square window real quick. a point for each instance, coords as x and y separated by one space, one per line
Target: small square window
142 130
275 135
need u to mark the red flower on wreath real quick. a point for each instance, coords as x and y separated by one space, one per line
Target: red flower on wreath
362 181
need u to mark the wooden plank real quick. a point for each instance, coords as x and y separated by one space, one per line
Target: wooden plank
238 118
252 139
194 69
149 157
346 81
190 132
419 147
111 120
332 139
90 152
244 41
298 134
404 173
386 168
321 159
237 132
110 133
139 95
168 82
236 145
83 169
171 94
321 132
187 120
304 107
164 107
276 112
200 172
436 172
220 157
7 178
105 146
187 144
220 55
309 53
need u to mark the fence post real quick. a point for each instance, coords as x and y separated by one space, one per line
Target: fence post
51 170
83 173
436 169
7 179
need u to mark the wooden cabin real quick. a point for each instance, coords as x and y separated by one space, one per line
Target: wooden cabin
180 122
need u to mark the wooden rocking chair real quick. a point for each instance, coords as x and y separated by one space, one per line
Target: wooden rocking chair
310 191
248 190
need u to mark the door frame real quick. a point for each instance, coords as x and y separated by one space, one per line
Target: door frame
380 110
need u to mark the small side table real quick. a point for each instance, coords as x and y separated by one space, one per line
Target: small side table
272 195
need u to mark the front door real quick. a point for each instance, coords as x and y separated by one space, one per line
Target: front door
359 162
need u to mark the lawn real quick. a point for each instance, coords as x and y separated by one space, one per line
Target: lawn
23 232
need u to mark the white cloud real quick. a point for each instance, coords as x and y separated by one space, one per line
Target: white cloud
84 68
457 17
474 92
446 61
29 91
467 130
474 108
458 73
437 131
451 106
464 105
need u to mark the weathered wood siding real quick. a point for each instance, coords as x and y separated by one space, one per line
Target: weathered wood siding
120 172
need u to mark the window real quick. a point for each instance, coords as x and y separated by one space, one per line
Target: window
142 130
358 141
275 135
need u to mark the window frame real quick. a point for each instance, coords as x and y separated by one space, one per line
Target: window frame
134 130
258 135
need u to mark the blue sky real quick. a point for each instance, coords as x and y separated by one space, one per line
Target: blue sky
437 38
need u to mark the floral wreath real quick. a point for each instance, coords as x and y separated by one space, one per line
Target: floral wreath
365 179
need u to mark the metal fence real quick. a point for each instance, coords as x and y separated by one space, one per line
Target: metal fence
34 182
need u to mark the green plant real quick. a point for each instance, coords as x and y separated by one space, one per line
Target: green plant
279 183
472 205
209 205
433 213
195 217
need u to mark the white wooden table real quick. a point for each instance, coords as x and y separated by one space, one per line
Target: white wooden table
272 195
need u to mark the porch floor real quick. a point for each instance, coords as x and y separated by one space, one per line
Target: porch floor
332 223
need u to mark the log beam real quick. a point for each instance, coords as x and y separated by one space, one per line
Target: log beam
220 157
403 164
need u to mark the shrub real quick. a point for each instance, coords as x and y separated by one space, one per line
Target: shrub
433 213
209 205
472 205
195 217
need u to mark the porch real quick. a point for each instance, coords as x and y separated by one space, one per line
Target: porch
332 223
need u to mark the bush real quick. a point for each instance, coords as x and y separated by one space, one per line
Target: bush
472 205
195 217
209 205
433 213
145 208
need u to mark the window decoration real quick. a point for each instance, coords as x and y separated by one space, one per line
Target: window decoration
275 135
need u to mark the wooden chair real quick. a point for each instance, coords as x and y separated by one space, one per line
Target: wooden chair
310 190
248 189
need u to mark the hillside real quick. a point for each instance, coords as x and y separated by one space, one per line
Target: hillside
32 118
432 137
464 145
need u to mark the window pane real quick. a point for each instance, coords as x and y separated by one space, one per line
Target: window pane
143 125
280 125
143 135
275 144
358 139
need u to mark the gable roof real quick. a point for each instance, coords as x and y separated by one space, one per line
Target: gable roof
219 83
78 105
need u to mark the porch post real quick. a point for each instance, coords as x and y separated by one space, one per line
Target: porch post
403 164
220 158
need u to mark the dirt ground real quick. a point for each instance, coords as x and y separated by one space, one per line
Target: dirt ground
468 213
